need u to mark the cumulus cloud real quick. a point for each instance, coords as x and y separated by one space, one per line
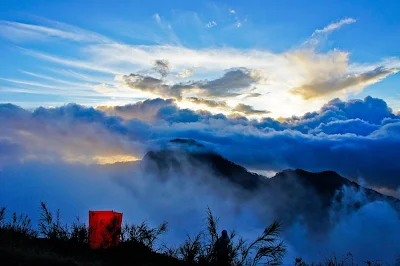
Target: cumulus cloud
143 110
71 133
318 88
342 136
351 126
248 110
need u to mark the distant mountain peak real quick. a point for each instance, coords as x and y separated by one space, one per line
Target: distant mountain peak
178 153
288 196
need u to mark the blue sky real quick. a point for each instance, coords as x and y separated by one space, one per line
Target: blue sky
38 37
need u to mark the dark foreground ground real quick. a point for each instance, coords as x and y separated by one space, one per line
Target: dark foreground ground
45 252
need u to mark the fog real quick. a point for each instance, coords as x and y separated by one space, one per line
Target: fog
181 199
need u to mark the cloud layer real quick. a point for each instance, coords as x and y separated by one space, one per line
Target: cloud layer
357 138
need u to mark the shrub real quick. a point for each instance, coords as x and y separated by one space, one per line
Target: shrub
143 234
51 228
79 232
18 228
265 249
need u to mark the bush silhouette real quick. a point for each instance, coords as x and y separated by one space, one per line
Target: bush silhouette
139 244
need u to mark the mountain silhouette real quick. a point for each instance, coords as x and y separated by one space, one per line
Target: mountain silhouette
289 196
181 152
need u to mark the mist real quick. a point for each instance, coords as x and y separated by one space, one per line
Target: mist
181 198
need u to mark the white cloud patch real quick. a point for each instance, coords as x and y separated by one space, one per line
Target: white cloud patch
334 26
319 35
22 31
167 29
211 24
157 18
184 74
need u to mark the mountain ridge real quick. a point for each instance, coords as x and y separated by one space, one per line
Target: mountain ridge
290 195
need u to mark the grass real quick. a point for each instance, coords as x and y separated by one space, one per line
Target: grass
55 243
333 260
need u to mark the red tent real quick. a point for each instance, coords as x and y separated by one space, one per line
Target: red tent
104 229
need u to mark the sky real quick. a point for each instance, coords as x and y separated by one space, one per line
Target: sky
269 85
255 59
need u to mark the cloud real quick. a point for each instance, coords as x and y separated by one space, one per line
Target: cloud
68 133
184 74
320 34
231 83
357 138
82 64
352 126
150 84
10 152
342 136
372 110
143 110
157 17
253 95
162 67
234 82
318 88
211 24
303 71
167 29
142 195
367 233
334 26
17 31
248 110
208 103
